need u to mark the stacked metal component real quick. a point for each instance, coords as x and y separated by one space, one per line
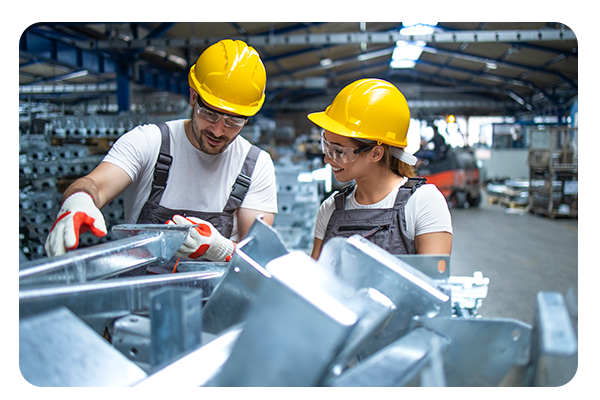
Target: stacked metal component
272 317
41 167
298 199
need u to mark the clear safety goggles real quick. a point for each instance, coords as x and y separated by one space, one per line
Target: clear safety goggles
213 117
341 154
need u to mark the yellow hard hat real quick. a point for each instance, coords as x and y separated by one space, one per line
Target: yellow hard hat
230 76
371 109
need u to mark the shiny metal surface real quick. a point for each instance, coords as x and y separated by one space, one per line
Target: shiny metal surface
113 296
57 349
139 245
229 303
357 317
361 264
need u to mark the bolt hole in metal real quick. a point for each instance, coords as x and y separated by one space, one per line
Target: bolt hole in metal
441 266
133 352
516 335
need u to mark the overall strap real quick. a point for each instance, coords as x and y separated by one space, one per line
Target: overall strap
163 163
340 197
243 180
415 183
406 190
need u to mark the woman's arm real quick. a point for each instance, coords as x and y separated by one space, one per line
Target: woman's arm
434 243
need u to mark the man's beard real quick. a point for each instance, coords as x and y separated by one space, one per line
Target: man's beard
204 145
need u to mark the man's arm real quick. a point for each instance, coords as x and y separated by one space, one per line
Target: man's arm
80 209
105 183
246 218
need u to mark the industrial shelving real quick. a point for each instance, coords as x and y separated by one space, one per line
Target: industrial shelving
553 171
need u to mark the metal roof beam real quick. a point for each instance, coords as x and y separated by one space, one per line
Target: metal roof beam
508 81
77 88
312 39
530 69
44 49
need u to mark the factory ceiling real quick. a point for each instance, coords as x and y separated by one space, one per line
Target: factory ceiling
471 68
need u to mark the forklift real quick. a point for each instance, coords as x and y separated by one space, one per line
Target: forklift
453 170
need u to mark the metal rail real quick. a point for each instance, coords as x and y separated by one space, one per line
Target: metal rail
140 245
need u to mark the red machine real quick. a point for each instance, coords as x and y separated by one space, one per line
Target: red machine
456 175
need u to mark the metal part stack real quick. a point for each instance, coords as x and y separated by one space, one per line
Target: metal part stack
298 200
271 317
42 168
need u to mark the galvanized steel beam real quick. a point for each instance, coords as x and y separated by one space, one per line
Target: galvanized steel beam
113 296
343 38
141 245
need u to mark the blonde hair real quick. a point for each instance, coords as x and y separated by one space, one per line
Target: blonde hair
398 167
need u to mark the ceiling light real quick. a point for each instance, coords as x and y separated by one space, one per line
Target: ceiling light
410 24
516 98
418 28
77 74
491 65
326 62
402 64
407 51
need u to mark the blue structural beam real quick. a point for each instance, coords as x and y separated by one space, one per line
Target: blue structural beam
162 80
123 89
46 49
52 50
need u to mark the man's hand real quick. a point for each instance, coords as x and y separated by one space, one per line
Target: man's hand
203 241
77 215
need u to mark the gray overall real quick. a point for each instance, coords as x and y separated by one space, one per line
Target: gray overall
386 227
153 213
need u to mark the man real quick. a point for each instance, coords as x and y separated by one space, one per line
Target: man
439 150
193 171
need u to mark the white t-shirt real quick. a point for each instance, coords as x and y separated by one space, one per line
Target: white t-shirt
426 211
197 181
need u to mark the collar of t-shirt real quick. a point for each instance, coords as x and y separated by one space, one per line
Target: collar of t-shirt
387 201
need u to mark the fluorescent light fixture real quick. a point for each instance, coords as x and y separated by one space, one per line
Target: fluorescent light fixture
516 98
72 75
326 62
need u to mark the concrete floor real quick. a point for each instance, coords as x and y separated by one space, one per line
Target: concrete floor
521 254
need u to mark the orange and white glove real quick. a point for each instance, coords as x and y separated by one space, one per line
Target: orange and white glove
203 241
78 214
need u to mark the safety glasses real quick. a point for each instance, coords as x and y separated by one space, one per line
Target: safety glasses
213 117
339 153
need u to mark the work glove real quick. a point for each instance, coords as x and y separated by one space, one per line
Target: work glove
78 214
203 241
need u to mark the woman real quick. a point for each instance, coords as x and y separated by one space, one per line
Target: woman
364 134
